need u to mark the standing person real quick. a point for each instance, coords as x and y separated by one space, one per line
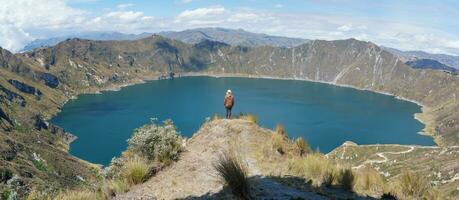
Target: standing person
228 103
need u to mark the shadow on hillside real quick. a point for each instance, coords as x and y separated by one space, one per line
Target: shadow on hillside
283 188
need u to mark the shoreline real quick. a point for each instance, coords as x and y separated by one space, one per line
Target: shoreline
150 78
426 131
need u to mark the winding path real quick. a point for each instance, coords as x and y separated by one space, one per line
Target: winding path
384 158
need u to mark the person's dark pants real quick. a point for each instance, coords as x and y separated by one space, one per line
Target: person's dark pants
228 112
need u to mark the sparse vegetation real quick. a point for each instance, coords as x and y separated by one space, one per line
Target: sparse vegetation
234 174
115 187
369 182
280 129
135 171
277 141
315 167
249 117
78 195
39 165
346 179
302 146
411 185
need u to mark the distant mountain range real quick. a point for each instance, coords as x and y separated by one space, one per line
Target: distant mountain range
416 59
46 42
430 64
232 37
448 60
191 36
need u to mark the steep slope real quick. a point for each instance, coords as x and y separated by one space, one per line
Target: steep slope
33 153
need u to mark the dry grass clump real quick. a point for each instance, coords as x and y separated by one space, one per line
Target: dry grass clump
369 182
315 167
234 174
249 117
280 129
346 179
135 171
115 187
302 146
278 143
78 195
411 185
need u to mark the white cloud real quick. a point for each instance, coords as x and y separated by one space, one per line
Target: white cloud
279 6
124 6
19 24
344 28
186 1
200 14
13 37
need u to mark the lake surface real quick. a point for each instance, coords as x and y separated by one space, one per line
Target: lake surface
325 115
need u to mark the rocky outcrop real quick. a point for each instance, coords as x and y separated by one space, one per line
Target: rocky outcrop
11 96
25 88
49 79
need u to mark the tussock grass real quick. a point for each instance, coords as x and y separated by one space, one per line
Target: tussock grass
135 171
277 141
302 146
346 179
369 182
411 185
280 129
249 117
78 195
115 187
215 117
234 174
315 167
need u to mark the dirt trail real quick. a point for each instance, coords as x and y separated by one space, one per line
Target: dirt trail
193 177
384 158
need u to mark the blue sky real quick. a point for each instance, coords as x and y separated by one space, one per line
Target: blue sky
409 25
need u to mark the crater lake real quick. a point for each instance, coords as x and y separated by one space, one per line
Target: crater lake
325 115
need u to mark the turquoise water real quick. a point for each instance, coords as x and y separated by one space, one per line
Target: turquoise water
325 115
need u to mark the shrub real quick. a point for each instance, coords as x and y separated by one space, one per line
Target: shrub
412 185
157 142
346 179
280 129
231 171
135 171
115 187
369 182
249 117
77 195
302 146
